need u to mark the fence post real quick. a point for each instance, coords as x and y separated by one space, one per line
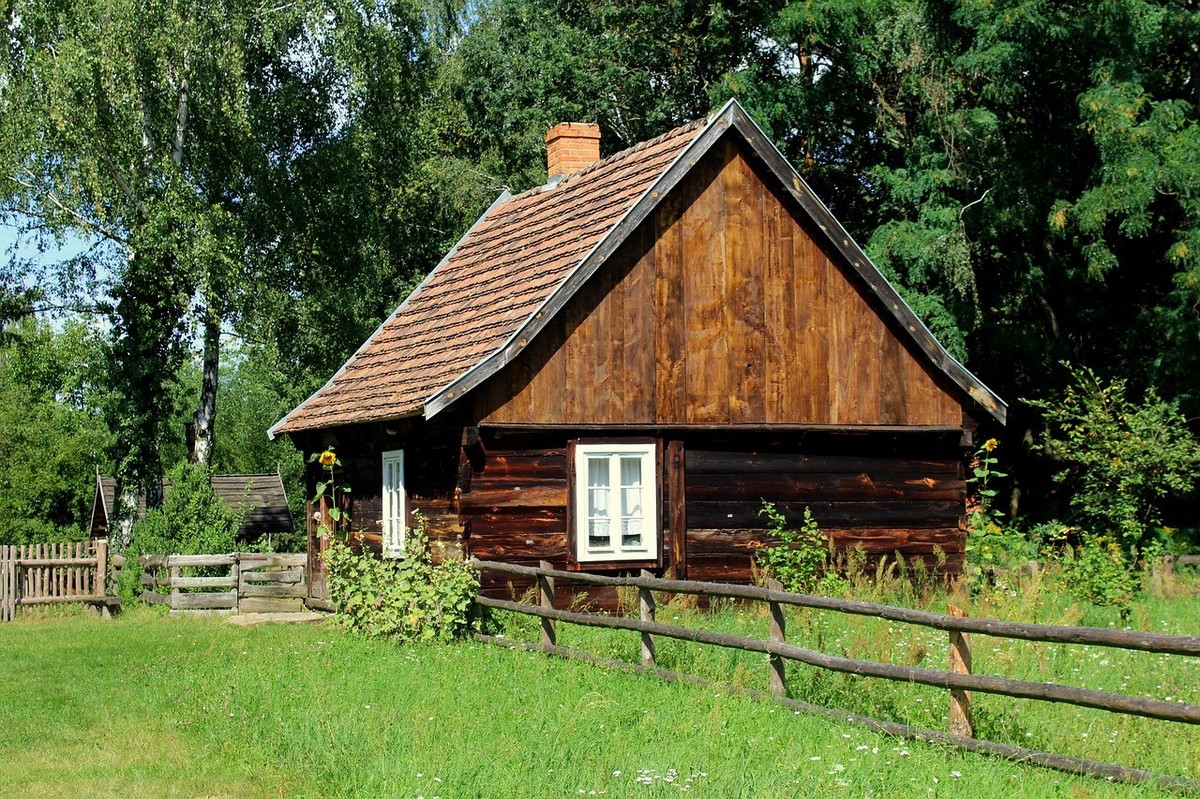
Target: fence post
235 571
546 600
960 663
646 603
5 565
100 586
174 572
778 635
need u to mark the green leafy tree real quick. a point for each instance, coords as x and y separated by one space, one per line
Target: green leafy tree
1123 458
52 431
196 149
638 69
255 393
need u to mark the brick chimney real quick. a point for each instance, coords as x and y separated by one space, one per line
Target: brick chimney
570 147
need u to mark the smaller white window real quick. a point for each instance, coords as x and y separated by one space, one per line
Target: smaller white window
616 502
394 504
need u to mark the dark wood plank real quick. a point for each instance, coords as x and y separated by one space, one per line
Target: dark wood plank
744 268
738 542
608 326
867 336
816 487
868 513
677 508
813 333
639 341
893 390
705 293
780 333
517 494
701 461
670 361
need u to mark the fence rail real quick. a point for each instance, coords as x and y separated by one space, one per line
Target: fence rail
255 582
45 574
959 680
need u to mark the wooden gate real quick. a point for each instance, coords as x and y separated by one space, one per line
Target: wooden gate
254 582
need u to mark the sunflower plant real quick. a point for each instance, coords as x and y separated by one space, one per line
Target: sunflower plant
329 462
985 540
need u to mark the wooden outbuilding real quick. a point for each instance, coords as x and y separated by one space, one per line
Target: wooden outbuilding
260 497
614 370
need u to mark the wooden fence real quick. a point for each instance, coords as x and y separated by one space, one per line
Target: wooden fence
252 583
959 681
44 574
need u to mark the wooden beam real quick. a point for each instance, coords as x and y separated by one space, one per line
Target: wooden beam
1050 633
1021 689
677 507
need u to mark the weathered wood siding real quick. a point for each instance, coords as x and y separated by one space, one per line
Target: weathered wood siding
890 493
897 502
722 308
431 460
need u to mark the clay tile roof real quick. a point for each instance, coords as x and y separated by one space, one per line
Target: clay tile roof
490 284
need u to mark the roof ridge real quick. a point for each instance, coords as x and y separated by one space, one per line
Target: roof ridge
615 157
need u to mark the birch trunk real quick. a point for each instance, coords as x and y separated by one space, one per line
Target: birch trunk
204 419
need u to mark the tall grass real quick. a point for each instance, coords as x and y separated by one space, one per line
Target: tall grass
1172 606
155 706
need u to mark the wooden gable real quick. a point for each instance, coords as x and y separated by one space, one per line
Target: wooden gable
724 306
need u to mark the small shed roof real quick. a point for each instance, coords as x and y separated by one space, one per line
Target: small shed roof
262 496
528 254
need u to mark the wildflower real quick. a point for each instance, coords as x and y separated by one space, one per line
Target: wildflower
991 444
327 458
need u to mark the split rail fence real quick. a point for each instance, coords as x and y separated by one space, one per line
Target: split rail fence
958 680
45 574
252 583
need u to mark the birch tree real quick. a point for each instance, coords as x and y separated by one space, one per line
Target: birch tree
160 133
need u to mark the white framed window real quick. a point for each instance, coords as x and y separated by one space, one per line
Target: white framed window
616 502
395 504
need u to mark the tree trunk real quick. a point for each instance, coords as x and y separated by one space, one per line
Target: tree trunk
204 419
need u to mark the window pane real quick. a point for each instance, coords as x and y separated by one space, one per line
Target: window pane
632 495
598 495
598 534
631 472
597 472
631 533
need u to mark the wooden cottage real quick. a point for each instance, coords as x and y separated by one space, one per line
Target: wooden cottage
614 370
261 497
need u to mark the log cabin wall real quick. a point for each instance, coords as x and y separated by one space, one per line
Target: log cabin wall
724 307
431 466
894 492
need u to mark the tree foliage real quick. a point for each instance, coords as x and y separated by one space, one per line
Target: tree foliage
1024 170
52 431
1123 458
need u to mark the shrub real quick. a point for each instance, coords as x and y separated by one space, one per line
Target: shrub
1099 572
193 520
800 558
409 598
1123 458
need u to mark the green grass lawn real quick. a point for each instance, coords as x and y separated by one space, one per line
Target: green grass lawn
165 707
